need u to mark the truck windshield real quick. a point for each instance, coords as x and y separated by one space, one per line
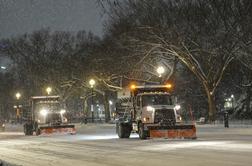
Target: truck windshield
157 99
50 106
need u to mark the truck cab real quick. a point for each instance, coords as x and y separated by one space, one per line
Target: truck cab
144 108
156 108
46 116
48 111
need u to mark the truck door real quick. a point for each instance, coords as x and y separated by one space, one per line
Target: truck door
138 106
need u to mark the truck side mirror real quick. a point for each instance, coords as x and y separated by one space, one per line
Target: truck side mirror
138 101
175 99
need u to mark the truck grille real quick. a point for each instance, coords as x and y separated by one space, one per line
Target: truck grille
165 116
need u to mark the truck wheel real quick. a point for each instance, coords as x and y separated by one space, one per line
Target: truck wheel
142 133
25 129
28 129
38 131
123 130
127 130
120 131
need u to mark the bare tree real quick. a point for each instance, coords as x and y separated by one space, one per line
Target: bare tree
44 58
205 35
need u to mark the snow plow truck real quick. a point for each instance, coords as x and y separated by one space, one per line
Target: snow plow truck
46 117
150 111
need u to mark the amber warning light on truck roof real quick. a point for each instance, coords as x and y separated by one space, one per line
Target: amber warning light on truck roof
133 87
169 86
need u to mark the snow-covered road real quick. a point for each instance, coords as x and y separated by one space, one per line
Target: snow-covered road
97 145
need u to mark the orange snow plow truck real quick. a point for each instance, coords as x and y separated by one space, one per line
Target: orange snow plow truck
46 117
150 111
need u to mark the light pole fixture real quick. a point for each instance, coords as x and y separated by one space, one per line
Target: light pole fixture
160 71
232 99
48 90
110 108
18 95
92 83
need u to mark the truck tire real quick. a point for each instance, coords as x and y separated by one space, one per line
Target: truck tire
28 129
127 130
143 134
120 131
38 131
25 129
123 130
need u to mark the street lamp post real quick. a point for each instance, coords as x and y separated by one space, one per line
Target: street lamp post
232 100
18 95
229 103
92 83
110 108
160 71
48 90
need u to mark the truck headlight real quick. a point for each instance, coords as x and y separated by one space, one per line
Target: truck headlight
177 107
65 120
44 112
150 108
145 119
62 111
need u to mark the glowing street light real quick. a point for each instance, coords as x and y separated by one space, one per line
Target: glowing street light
48 90
92 83
17 107
18 95
160 71
229 102
232 99
110 108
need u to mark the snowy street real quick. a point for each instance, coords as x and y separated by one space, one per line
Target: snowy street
97 145
119 82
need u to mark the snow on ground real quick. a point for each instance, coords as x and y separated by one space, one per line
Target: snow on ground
97 145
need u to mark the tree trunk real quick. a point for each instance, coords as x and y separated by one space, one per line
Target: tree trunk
85 108
211 104
106 108
248 99
211 108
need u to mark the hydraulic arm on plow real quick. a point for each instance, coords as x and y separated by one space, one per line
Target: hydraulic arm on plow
45 117
150 112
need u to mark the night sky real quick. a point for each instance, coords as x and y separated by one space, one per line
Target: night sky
21 16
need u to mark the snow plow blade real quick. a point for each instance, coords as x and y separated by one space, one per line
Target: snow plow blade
62 129
179 131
